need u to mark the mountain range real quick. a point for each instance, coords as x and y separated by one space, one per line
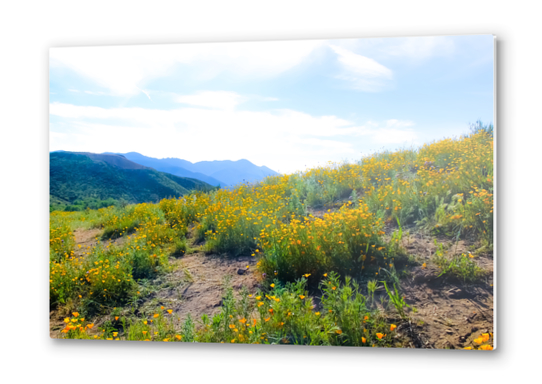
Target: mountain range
217 173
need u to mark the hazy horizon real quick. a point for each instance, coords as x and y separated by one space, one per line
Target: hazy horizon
234 160
159 158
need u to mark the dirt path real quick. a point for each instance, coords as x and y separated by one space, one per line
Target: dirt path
86 239
196 286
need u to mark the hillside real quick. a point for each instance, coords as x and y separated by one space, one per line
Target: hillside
218 172
76 176
395 250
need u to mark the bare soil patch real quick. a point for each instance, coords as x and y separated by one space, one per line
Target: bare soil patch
320 212
88 238
196 286
450 314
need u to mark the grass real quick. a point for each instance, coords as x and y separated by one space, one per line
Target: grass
460 266
397 300
372 286
84 204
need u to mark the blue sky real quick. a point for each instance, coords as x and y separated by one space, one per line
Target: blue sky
284 104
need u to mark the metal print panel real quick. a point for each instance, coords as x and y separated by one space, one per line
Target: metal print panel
317 192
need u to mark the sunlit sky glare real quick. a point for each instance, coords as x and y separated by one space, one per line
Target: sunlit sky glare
288 105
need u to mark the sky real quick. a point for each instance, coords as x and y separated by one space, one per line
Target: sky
288 105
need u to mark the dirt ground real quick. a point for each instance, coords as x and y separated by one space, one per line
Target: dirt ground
88 238
448 312
197 284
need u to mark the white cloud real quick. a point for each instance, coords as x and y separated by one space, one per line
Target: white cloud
215 100
363 73
421 47
87 92
125 70
391 132
394 136
280 120
396 132
417 48
281 139
213 129
361 65
399 123
146 93
95 93
326 145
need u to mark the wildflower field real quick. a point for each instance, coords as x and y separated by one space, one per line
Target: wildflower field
395 250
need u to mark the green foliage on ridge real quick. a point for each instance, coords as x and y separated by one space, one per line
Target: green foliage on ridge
79 181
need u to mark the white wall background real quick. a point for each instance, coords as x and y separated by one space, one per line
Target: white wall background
29 28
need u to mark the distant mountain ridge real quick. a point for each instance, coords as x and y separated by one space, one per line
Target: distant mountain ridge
172 167
217 172
79 175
